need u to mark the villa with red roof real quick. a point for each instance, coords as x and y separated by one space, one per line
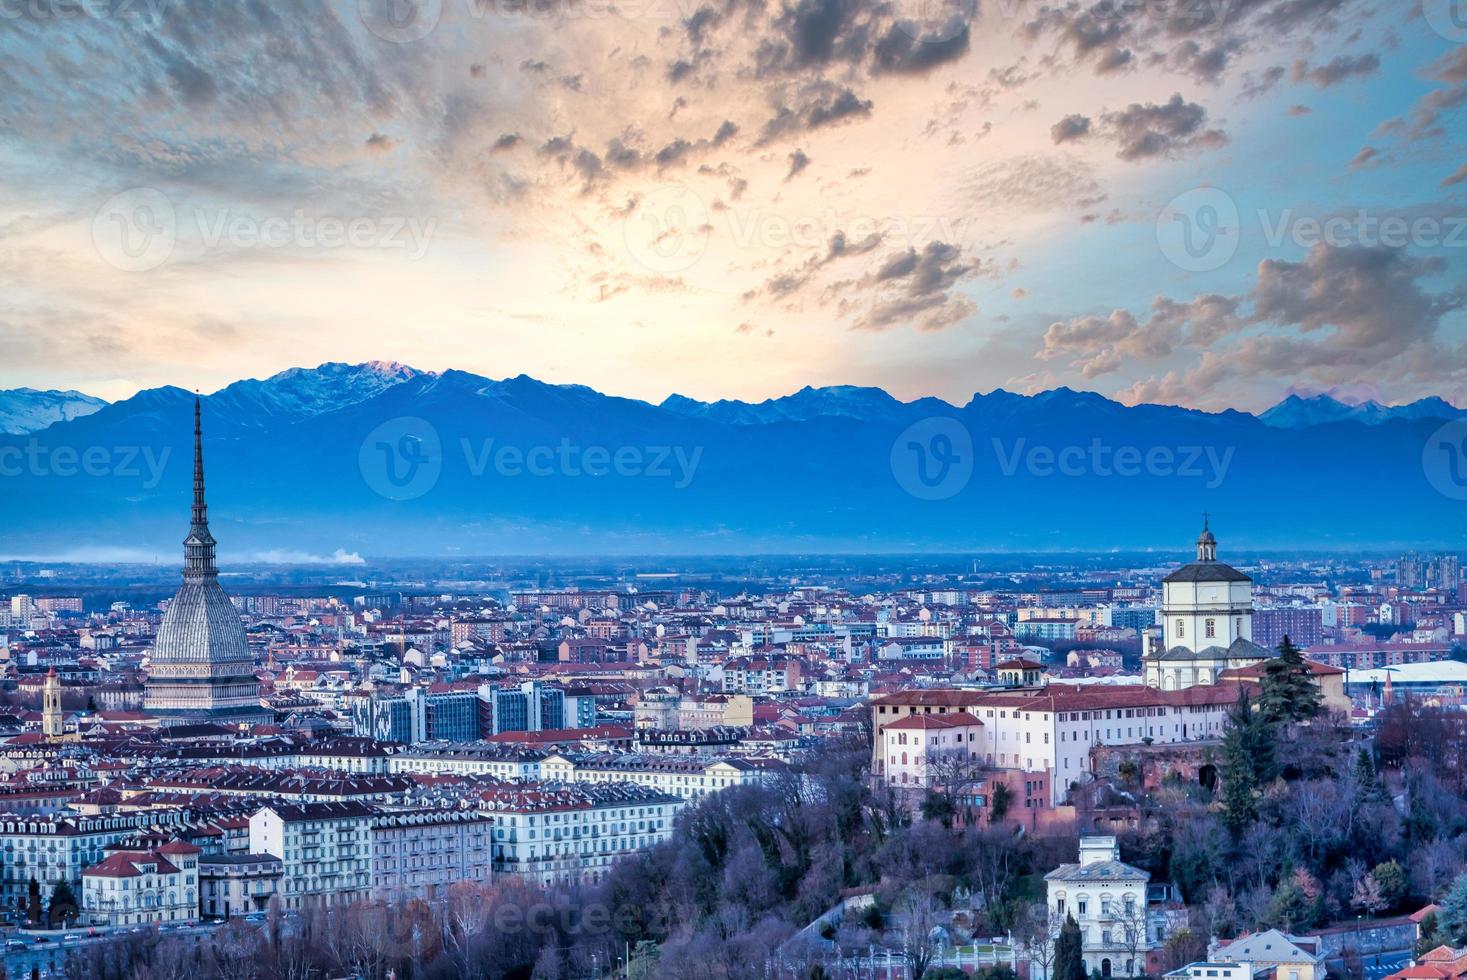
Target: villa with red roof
130 888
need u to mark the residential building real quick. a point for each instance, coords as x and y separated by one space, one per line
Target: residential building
130 888
238 884
1285 956
325 850
1107 898
419 853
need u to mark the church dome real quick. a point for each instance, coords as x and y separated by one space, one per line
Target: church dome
201 626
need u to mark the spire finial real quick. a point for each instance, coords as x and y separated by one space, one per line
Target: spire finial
198 547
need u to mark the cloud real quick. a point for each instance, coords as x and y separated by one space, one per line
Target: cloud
1457 177
1336 315
1150 130
798 162
380 143
1072 127
1341 68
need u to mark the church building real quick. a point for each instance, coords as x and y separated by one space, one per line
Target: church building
201 669
1206 622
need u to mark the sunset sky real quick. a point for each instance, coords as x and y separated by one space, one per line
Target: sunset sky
734 198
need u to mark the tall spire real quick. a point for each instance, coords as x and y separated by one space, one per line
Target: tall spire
198 547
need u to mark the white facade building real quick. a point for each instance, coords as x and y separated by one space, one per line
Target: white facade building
325 850
143 887
1107 898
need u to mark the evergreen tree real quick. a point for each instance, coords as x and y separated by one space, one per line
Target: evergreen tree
1288 689
63 905
1069 963
1451 913
1247 763
1367 783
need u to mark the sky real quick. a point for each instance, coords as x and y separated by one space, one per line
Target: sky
1211 203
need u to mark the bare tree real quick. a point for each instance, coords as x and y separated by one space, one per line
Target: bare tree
917 916
1034 935
1130 920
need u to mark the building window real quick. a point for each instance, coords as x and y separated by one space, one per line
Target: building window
1179 629
1211 628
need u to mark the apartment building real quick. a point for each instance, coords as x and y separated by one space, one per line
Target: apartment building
685 777
420 853
559 832
53 849
325 850
238 884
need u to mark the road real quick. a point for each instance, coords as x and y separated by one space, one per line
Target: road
1378 967
50 957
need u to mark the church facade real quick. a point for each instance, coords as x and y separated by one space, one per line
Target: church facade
201 668
1206 623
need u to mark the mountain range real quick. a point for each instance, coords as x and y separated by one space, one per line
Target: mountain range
383 459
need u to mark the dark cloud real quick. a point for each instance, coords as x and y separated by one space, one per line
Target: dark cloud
907 48
726 131
1072 127
1152 130
506 141
817 106
798 162
1337 313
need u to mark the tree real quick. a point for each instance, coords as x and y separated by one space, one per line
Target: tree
1069 959
33 902
1451 913
1288 692
63 905
1367 896
1003 797
1247 763
1392 880
1035 933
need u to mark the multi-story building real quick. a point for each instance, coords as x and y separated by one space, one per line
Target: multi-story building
1303 625
761 675
916 747
689 778
1285 956
238 884
325 850
143 887
1107 899
420 853
557 832
53 849
473 759
1052 730
531 707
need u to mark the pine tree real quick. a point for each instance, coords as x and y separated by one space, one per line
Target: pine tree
1247 763
1288 689
1069 961
63 904
1451 913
